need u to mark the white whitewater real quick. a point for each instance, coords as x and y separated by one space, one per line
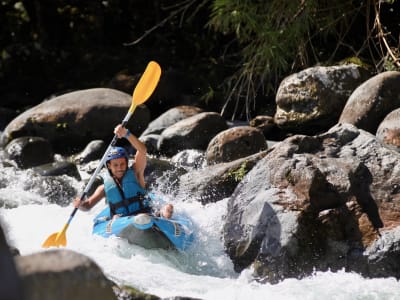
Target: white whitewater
205 272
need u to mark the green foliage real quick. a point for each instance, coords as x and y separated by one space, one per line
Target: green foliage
234 50
238 174
62 126
276 37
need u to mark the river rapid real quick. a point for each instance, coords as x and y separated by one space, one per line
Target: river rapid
204 272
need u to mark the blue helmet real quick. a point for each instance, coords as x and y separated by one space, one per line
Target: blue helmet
116 152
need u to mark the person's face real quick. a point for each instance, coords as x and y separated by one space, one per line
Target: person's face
118 167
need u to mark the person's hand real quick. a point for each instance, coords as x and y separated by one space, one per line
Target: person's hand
76 202
120 131
82 205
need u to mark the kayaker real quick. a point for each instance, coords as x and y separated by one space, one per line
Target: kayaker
124 186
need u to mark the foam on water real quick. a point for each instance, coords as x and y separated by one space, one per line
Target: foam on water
204 272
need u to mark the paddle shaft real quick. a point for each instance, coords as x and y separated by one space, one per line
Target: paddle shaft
142 92
102 161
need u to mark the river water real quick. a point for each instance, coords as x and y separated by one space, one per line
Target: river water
204 272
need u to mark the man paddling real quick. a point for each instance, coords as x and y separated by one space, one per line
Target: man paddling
124 186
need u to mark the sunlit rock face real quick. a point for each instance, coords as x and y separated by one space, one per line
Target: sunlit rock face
372 101
321 202
312 100
70 121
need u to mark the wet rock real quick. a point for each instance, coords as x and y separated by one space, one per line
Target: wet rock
11 286
162 174
317 203
216 182
62 274
130 293
266 124
151 142
191 133
235 143
312 100
56 189
70 121
29 151
369 104
93 151
193 159
170 117
58 168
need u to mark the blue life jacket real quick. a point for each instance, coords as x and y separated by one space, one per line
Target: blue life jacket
130 199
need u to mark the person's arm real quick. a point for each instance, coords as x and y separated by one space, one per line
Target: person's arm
141 152
140 161
92 200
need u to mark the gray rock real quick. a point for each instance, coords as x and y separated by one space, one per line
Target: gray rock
170 117
29 151
317 203
235 143
216 182
191 133
311 101
62 274
369 104
93 151
190 158
58 168
11 286
151 142
70 121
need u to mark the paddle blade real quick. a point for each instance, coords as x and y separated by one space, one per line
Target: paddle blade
146 84
57 239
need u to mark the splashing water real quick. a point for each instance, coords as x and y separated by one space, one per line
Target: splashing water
204 272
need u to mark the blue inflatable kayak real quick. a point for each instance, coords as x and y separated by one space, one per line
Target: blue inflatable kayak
146 230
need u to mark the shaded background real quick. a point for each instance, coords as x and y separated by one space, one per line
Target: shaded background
50 47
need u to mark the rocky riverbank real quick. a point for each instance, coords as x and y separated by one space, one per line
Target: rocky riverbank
313 187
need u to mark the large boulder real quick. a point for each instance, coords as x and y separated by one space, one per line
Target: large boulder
162 175
29 151
369 104
58 168
56 189
62 275
216 182
311 101
326 202
190 158
194 132
266 124
170 117
93 151
235 143
72 120
11 286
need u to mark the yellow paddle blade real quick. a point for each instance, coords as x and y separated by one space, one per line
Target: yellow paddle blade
146 84
142 92
57 239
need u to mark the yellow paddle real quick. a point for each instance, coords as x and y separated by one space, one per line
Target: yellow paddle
142 92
